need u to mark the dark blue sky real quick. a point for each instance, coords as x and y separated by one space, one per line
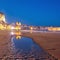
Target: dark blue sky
32 12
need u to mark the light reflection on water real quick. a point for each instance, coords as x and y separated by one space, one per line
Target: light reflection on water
25 47
25 44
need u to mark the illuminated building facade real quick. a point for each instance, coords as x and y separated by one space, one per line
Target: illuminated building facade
2 17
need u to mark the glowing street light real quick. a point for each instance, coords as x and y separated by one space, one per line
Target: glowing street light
31 28
12 27
12 33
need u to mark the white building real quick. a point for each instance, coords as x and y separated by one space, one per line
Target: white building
2 17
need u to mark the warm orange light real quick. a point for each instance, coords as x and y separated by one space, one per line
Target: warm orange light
31 28
18 23
8 27
17 27
58 29
54 28
17 33
2 27
18 37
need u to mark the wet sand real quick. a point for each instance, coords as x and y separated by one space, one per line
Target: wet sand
4 43
49 41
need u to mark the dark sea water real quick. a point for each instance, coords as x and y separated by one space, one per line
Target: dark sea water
27 49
